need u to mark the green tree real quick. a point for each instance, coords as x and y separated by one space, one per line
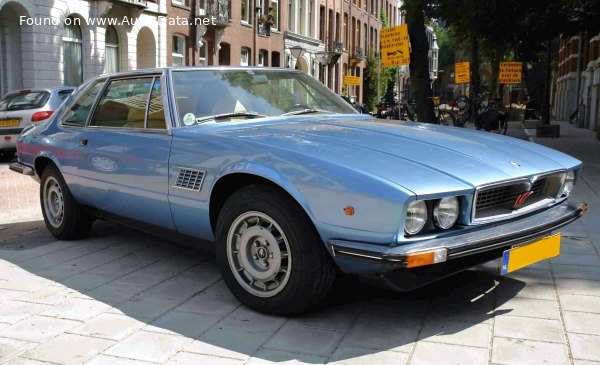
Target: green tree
419 59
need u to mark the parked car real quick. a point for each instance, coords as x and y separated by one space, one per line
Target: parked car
290 185
22 108
361 108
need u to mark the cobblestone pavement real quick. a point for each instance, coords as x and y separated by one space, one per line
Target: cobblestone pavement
125 297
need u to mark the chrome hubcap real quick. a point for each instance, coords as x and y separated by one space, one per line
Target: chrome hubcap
54 204
259 254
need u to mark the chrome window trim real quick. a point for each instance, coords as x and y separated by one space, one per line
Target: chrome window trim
529 181
84 88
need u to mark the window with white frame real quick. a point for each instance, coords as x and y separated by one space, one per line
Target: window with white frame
178 50
245 11
263 58
203 54
245 56
111 50
72 53
275 14
181 2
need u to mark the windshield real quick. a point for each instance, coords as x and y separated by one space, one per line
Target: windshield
24 100
229 94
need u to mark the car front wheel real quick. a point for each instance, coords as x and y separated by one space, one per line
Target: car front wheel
270 254
64 218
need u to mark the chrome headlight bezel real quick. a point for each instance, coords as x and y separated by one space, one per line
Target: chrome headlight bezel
448 207
416 217
568 184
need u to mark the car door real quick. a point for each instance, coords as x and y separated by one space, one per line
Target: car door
126 149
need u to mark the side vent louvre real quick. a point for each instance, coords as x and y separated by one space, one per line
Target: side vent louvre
190 179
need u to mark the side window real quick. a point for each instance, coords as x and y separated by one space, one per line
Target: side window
79 112
156 110
123 104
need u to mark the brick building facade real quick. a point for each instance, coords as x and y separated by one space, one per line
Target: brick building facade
565 88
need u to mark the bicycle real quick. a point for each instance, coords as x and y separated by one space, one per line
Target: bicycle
443 117
481 112
404 110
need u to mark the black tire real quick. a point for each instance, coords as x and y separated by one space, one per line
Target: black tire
74 223
311 269
446 118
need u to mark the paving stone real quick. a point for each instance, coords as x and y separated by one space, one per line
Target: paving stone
209 304
68 349
381 337
576 259
576 272
37 328
585 362
338 318
112 360
77 309
360 356
268 357
577 247
184 285
585 347
13 311
577 286
114 294
189 325
148 346
109 326
404 313
145 308
10 347
516 351
532 276
86 281
49 295
24 361
475 310
533 308
430 353
529 329
249 345
457 333
7 294
580 303
531 291
187 358
246 319
580 322
306 340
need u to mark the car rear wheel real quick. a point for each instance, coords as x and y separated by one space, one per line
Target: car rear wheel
270 254
64 218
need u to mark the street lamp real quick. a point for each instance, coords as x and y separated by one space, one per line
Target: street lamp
297 52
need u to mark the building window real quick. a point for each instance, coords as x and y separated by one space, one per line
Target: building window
72 53
111 50
345 34
245 11
203 54
178 50
263 58
275 14
275 59
244 56
181 2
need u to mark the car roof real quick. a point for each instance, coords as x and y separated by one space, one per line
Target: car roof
39 90
153 71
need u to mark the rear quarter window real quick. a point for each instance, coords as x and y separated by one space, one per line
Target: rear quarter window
24 101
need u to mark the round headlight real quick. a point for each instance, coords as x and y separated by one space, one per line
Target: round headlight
445 212
416 217
569 183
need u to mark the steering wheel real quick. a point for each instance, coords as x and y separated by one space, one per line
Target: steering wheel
297 107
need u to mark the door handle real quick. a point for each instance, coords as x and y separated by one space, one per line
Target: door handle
83 142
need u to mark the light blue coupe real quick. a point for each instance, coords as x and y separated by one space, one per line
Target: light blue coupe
290 185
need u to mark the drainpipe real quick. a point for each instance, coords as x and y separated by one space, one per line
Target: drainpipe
579 71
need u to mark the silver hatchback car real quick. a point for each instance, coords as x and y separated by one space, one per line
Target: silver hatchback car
21 108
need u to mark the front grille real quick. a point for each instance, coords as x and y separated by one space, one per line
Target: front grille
190 179
507 194
502 200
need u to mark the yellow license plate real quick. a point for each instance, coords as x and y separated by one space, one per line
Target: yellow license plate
519 257
9 123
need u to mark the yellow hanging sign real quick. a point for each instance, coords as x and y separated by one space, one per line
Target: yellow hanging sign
351 80
510 72
394 46
462 72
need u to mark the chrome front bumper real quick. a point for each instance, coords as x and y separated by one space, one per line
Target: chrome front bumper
368 259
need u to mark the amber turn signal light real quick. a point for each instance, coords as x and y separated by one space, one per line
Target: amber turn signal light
426 257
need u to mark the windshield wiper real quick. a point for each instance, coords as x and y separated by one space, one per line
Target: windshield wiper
306 111
229 115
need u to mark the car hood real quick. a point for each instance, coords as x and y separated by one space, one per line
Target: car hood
426 159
